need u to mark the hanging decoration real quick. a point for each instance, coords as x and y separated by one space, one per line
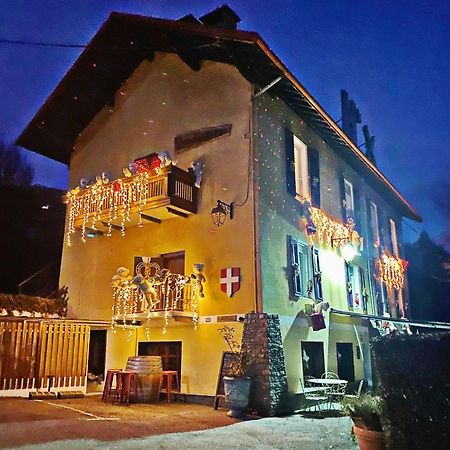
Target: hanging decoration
154 289
391 270
101 201
328 230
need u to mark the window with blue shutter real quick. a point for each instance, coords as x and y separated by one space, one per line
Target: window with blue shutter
349 285
317 275
289 160
299 267
314 176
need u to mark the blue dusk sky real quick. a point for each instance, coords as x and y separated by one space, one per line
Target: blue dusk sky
393 57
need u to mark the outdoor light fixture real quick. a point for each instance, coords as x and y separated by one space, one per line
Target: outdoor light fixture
348 252
221 211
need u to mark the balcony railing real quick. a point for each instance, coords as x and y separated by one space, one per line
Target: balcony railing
129 201
176 297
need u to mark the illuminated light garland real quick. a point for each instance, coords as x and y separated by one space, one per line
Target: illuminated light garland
114 199
129 300
391 271
329 229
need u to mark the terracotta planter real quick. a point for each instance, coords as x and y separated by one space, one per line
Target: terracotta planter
237 392
368 439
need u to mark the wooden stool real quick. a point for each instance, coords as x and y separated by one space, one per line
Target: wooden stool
128 386
107 388
165 385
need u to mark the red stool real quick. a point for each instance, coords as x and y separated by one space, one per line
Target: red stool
108 390
166 383
127 386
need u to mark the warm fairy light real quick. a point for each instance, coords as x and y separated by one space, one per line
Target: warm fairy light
329 229
88 207
174 292
392 271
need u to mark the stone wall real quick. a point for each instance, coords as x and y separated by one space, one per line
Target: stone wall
262 348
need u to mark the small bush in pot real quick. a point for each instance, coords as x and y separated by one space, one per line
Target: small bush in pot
236 384
365 411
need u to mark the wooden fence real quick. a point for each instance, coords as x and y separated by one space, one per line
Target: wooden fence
34 354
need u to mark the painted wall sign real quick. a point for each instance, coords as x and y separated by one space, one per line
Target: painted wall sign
230 280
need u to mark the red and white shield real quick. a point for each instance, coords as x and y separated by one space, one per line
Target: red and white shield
230 280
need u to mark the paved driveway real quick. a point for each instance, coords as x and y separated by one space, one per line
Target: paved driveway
90 424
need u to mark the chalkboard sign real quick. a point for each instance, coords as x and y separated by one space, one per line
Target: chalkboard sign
228 359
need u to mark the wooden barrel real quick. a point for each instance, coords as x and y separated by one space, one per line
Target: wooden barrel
149 370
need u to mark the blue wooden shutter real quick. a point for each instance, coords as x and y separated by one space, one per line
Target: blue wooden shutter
314 176
317 275
342 192
349 284
294 261
289 160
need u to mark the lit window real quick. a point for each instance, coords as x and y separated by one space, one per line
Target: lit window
302 189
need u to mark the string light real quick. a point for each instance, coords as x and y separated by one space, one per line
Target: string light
391 270
174 292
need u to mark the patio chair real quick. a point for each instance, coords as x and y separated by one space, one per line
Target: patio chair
330 375
316 395
337 394
358 393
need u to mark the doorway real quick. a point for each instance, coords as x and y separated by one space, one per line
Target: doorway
345 362
312 359
96 359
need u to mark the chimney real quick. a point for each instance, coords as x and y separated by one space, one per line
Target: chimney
222 17
350 117
369 144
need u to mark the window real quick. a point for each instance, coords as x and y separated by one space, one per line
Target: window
394 237
301 169
374 224
356 298
317 275
300 267
349 203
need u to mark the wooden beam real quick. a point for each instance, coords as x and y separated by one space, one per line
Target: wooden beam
176 212
150 218
195 138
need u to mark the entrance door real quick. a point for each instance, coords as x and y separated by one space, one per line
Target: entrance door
312 359
345 363
170 353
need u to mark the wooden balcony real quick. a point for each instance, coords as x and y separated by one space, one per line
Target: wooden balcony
130 305
131 201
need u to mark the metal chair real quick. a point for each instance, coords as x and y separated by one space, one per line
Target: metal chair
358 393
330 375
337 393
316 395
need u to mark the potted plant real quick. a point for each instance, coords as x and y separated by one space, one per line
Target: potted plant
365 411
236 383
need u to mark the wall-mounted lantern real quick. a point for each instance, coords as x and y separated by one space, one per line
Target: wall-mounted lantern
221 211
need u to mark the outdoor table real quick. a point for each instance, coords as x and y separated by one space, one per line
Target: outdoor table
331 385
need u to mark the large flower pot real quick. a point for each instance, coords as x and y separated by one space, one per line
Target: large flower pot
237 392
369 440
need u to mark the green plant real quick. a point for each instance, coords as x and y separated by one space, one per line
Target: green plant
238 364
365 411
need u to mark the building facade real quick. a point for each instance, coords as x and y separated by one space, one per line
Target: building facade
168 124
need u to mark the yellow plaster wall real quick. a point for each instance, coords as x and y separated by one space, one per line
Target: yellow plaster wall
201 353
160 100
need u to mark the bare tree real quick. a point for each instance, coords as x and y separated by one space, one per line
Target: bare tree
14 169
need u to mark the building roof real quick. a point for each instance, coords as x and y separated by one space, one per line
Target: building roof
125 40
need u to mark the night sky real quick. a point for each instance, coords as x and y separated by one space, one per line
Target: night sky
393 57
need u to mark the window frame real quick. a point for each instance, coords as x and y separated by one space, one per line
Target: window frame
299 256
394 238
374 224
349 211
301 170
